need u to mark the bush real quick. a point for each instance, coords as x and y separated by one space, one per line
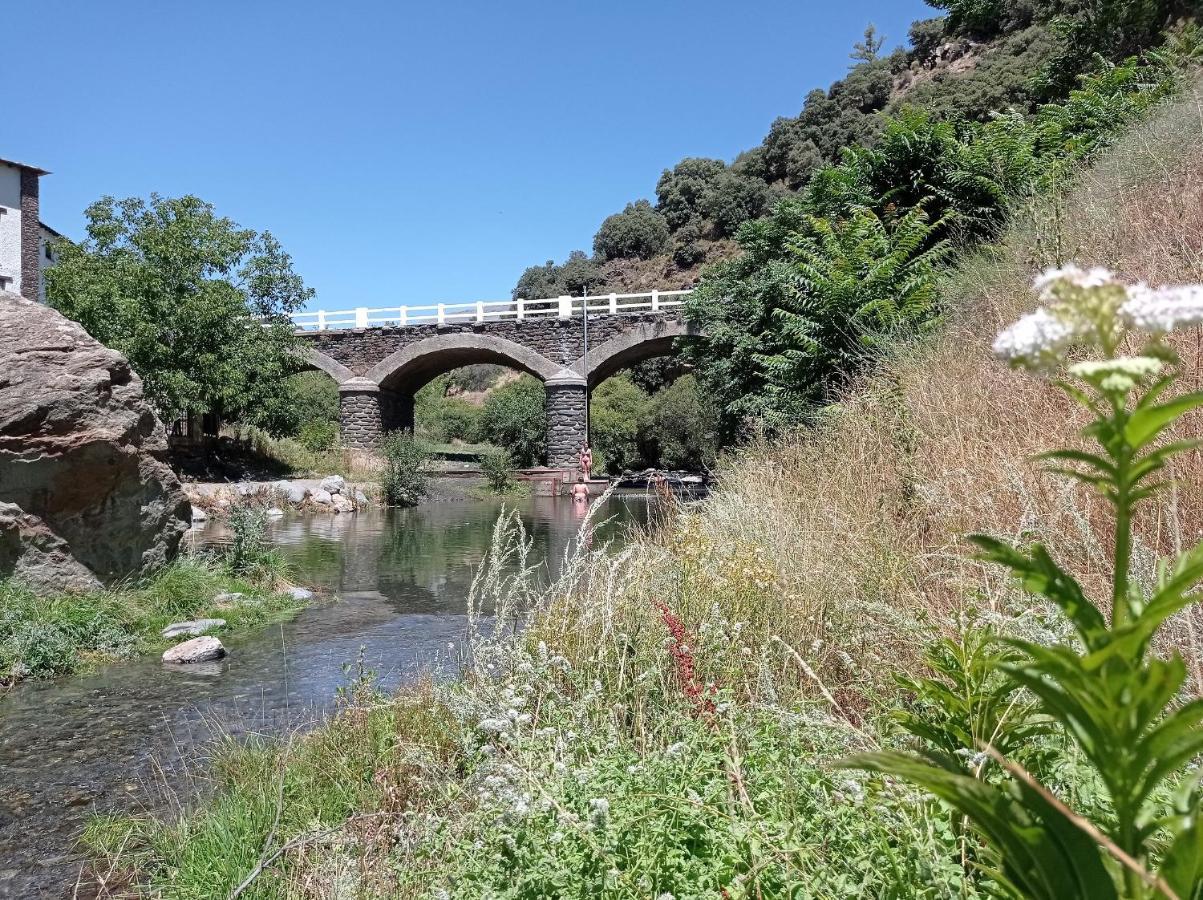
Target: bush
576 276
442 418
638 232
681 189
318 436
403 481
515 418
732 199
681 429
249 553
497 466
617 412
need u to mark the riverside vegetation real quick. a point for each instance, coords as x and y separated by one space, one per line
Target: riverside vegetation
43 636
691 717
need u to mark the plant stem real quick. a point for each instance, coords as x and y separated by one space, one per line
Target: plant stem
1123 520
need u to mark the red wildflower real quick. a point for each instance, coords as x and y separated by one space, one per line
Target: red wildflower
683 662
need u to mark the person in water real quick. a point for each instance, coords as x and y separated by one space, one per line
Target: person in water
585 460
580 490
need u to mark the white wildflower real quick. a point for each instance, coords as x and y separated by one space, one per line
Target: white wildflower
1033 339
1120 374
1088 278
555 837
1163 309
666 896
599 806
494 726
675 749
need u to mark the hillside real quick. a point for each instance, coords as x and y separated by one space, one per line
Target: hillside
983 58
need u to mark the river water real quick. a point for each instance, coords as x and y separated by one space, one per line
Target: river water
114 740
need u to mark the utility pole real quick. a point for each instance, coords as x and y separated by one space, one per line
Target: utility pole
585 355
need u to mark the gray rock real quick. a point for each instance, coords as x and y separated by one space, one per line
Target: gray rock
321 496
193 628
33 554
199 515
243 489
300 594
224 503
293 493
228 599
333 483
201 649
275 513
360 497
342 504
83 469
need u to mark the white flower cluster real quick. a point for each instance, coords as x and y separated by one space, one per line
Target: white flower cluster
1038 340
1164 309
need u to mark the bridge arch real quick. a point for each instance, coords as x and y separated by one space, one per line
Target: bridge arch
646 341
412 366
323 363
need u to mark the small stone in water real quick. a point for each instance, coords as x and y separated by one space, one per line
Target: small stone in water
275 513
300 593
197 650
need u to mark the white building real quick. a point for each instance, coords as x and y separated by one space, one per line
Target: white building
25 243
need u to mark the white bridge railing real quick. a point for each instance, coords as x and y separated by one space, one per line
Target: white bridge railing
486 311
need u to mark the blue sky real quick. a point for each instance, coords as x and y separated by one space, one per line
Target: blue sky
402 152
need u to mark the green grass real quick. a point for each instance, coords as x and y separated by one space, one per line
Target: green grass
43 636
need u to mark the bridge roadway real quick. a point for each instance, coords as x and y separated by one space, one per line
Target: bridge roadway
379 363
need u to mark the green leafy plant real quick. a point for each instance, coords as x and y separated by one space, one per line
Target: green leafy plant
497 467
1111 695
403 481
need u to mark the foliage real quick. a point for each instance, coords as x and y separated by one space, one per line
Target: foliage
733 199
638 232
497 466
573 278
806 304
183 294
43 636
514 417
681 429
312 410
681 190
249 553
618 409
858 284
403 480
866 50
443 418
1109 693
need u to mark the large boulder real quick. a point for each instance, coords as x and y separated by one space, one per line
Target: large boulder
83 471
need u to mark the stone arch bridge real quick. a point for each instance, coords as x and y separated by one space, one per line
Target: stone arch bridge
380 358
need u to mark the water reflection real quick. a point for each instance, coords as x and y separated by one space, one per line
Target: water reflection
109 741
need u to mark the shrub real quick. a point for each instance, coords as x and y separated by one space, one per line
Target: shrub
681 428
249 553
318 436
730 200
681 189
616 413
514 417
497 466
442 418
403 481
638 232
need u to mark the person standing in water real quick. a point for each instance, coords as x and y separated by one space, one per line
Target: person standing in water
585 460
580 491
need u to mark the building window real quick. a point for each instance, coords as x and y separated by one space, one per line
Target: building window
5 282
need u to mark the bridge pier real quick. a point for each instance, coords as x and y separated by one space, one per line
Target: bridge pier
566 399
367 411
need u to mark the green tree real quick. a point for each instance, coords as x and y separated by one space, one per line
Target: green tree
638 232
681 189
866 50
514 418
681 428
730 200
617 411
197 304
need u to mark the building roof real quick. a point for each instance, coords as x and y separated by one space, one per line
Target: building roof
21 165
51 230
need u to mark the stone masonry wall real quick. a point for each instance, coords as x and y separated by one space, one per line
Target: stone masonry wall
565 421
31 236
360 423
560 340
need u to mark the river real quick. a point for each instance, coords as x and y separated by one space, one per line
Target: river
112 740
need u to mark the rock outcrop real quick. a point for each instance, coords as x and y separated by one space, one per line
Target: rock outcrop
87 494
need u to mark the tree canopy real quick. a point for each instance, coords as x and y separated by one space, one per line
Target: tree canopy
198 305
